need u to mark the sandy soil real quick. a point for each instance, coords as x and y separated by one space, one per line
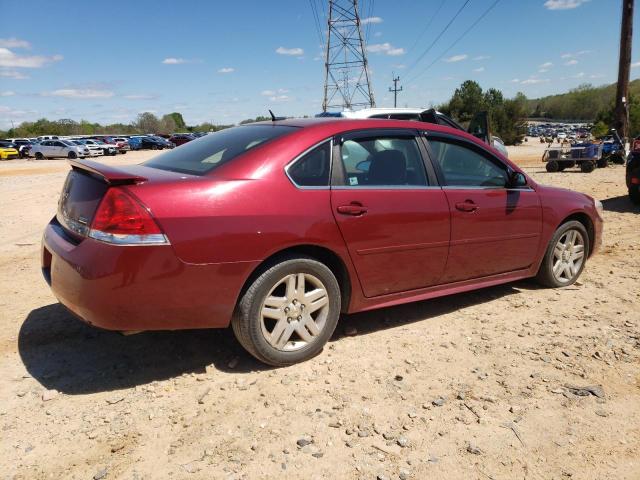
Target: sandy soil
469 386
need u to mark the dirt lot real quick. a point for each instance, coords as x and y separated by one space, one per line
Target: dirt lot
470 386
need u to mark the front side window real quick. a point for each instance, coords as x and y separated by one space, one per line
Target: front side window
206 153
312 169
461 166
382 161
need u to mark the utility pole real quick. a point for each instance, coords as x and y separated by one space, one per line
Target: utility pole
621 122
395 91
346 77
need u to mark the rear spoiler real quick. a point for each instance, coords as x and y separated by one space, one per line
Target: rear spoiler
111 175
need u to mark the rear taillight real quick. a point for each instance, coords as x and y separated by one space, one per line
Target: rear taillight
123 220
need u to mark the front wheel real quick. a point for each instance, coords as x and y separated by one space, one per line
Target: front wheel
565 257
552 166
289 312
587 167
72 155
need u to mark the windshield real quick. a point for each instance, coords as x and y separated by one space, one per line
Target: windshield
66 142
206 153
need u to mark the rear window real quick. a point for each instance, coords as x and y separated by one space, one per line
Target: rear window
206 153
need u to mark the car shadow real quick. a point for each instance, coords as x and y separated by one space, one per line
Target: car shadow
65 354
621 204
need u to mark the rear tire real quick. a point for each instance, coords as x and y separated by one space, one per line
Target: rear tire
587 167
603 162
290 309
552 166
559 266
72 155
39 156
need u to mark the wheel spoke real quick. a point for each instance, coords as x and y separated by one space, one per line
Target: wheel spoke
578 255
557 268
567 271
270 312
291 287
286 335
275 302
311 325
304 334
318 304
300 284
571 238
557 252
578 248
277 331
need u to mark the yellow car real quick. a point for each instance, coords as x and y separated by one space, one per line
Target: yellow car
8 153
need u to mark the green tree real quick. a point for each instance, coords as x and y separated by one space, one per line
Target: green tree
147 122
178 121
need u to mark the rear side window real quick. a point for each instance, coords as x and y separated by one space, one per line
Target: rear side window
206 153
312 169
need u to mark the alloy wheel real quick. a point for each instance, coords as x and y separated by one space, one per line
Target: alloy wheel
294 312
568 256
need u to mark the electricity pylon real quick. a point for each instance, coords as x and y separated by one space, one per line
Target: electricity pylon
346 78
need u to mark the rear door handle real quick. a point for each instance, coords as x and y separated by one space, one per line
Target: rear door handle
352 209
467 206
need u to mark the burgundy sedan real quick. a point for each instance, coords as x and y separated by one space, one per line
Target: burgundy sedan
277 228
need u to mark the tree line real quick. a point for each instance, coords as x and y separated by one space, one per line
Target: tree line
145 122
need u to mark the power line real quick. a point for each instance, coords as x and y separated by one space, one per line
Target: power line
439 35
395 90
471 27
316 21
424 30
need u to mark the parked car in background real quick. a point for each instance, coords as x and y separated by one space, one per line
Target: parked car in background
121 146
122 140
59 148
8 151
633 172
23 145
279 227
180 138
107 148
94 150
479 126
147 142
163 142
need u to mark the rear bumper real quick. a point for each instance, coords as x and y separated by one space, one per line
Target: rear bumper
138 288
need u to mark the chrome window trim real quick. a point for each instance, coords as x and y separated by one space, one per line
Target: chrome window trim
477 187
313 147
387 187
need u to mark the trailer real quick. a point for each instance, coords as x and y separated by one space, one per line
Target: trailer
584 155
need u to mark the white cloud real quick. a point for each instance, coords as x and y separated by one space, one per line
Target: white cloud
543 70
385 48
456 58
579 75
563 4
571 62
374 20
79 93
533 81
13 74
635 65
141 96
174 61
546 65
7 93
10 59
290 51
479 69
227 70
377 34
481 57
274 93
597 75
14 42
515 80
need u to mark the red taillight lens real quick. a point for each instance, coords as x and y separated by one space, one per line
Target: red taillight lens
122 219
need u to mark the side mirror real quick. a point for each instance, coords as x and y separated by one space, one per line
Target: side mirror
517 179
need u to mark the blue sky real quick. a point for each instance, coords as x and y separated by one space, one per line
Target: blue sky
226 61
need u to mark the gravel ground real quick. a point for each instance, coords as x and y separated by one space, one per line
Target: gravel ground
513 381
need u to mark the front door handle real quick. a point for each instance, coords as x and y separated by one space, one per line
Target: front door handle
467 206
354 208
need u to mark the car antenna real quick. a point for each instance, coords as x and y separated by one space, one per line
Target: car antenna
274 118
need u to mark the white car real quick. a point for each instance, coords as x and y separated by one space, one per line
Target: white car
561 136
478 127
105 148
94 150
59 148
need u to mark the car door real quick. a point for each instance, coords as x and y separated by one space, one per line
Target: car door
392 215
59 149
495 228
47 149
